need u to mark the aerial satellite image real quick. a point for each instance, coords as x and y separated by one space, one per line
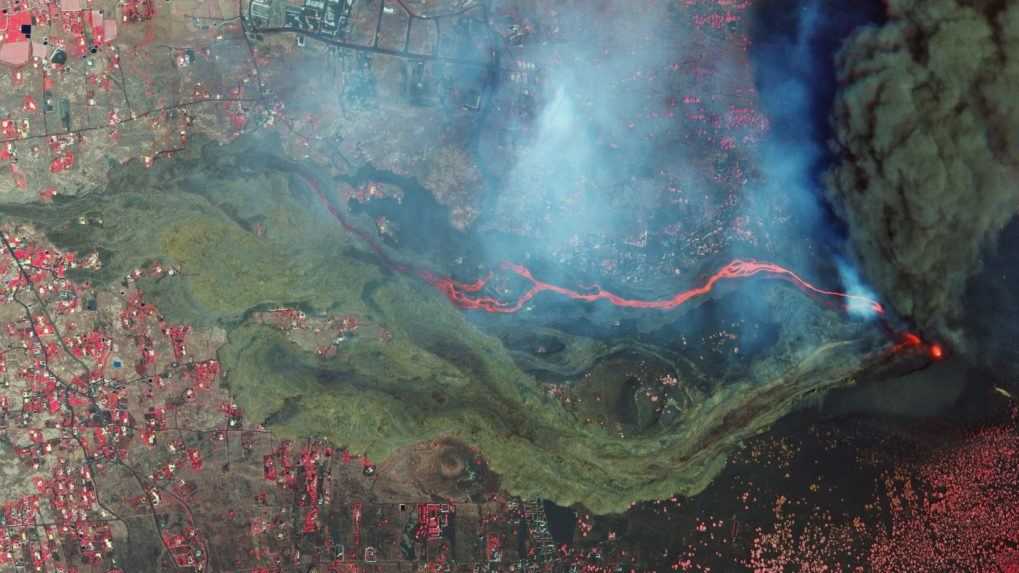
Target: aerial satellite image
535 286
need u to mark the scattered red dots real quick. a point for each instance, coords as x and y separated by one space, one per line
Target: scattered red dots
956 512
1008 561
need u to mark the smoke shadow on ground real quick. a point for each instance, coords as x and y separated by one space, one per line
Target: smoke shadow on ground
793 48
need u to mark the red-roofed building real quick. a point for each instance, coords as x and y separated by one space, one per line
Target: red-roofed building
432 518
15 47
15 54
137 10
104 30
95 24
109 30
12 26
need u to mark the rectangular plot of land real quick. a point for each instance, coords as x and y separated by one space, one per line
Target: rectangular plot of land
422 37
394 27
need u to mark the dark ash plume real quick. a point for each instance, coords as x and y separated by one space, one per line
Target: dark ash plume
927 124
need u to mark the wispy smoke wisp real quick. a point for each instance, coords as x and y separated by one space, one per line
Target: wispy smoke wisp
859 292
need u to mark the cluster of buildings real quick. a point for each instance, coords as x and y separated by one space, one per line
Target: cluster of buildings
320 16
42 29
77 398
148 383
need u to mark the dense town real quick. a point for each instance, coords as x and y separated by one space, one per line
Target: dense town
125 452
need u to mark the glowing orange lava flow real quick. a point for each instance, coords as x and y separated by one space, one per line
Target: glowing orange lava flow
460 294
464 295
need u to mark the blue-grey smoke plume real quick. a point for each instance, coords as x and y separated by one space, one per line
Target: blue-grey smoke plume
796 75
580 140
598 141
853 284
